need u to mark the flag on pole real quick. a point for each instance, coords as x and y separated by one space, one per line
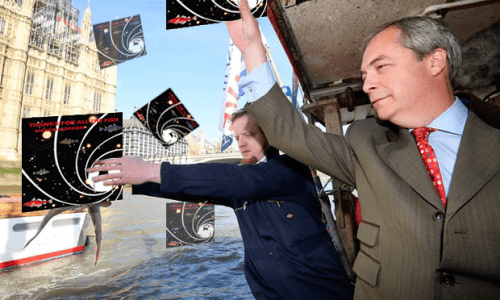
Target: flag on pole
295 91
235 68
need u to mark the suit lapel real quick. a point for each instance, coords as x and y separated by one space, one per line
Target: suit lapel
477 162
402 157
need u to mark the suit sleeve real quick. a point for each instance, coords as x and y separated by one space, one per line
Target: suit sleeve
285 130
227 184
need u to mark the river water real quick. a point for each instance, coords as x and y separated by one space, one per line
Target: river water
134 262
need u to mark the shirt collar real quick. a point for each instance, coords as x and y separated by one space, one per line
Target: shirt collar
262 160
453 119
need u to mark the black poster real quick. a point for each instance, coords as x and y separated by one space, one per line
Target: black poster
166 118
57 151
119 40
186 13
189 223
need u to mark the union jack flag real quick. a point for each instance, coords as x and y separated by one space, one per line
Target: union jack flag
235 69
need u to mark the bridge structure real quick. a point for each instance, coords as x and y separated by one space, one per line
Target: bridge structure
226 157
231 157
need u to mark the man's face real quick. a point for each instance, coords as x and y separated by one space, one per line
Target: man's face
395 80
250 139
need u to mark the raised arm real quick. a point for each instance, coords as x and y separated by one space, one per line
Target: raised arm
245 34
286 131
279 120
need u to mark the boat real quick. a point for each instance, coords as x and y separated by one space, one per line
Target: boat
65 234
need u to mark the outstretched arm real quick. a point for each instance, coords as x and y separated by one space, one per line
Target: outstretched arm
277 179
223 184
133 170
145 178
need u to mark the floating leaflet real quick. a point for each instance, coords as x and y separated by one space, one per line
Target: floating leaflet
189 223
181 13
119 40
57 151
166 118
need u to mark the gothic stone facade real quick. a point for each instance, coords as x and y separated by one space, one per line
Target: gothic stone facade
35 82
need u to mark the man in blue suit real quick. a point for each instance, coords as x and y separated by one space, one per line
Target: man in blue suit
288 252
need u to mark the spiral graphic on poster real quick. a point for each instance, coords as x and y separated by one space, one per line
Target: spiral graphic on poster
57 174
193 228
166 118
182 13
119 40
172 129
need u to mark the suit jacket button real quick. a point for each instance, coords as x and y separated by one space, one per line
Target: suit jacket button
289 216
447 280
439 217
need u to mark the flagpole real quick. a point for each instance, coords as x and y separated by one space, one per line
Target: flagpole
278 79
268 52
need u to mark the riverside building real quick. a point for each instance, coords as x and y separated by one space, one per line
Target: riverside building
48 67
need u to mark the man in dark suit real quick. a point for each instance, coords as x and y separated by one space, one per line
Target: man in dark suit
288 252
420 238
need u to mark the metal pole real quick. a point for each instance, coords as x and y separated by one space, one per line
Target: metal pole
332 224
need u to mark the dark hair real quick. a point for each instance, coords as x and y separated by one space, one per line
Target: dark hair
424 35
237 114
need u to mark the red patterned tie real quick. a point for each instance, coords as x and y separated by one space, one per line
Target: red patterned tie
421 134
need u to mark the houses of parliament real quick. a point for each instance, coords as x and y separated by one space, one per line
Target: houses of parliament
48 67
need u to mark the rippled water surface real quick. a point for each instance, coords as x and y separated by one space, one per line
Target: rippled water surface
134 262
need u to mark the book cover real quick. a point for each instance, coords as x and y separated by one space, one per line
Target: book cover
119 40
182 13
57 151
189 223
166 118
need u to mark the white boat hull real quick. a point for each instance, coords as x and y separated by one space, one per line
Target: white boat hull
64 234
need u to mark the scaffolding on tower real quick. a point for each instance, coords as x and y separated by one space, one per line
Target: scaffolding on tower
55 29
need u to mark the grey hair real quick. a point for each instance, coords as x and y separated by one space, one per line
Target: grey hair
424 35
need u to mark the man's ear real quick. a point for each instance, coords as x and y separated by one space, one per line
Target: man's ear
437 61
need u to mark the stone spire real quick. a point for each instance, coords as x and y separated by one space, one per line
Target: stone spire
86 22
